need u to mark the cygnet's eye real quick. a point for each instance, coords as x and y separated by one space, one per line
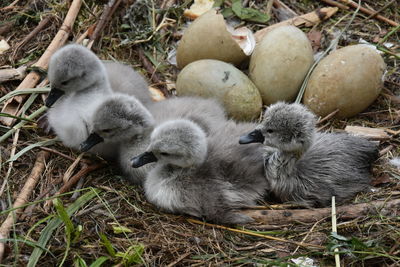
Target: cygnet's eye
270 131
64 83
164 154
106 130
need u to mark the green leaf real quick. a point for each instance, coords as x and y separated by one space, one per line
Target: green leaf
249 14
79 262
121 229
15 117
227 12
110 249
339 237
55 223
24 92
99 261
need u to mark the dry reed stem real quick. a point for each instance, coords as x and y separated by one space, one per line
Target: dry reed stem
276 217
13 104
308 20
255 234
23 197
12 74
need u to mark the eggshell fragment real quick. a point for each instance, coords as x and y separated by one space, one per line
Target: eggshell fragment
212 78
348 79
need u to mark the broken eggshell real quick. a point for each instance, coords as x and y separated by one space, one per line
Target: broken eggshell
209 38
348 79
279 64
216 79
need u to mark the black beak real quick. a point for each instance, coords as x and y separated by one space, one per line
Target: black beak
53 96
254 137
143 159
91 141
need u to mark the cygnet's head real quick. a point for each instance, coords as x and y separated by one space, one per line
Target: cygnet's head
287 127
118 119
179 143
73 68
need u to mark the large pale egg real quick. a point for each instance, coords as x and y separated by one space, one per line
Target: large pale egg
348 79
208 37
216 79
279 64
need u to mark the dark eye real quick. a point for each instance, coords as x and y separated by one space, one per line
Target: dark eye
270 131
106 130
64 82
164 154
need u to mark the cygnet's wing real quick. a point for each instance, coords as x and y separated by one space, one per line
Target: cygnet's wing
124 79
241 165
339 161
207 113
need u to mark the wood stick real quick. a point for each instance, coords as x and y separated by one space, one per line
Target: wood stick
32 34
347 212
109 10
23 197
12 74
12 105
362 9
307 20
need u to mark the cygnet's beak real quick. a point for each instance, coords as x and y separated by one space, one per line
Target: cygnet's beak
143 159
91 141
53 96
254 137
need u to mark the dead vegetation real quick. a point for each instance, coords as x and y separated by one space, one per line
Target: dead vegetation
104 220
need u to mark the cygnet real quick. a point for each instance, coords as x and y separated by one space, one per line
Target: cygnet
125 124
306 167
197 175
79 83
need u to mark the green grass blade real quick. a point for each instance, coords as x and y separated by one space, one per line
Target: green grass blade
30 147
55 223
99 261
27 242
24 92
110 249
15 117
69 226
22 123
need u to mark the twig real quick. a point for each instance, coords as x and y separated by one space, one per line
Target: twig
13 104
347 212
74 179
336 4
23 197
334 230
57 153
150 69
32 34
308 20
71 168
178 259
255 234
12 74
13 149
328 117
109 10
369 12
380 10
280 4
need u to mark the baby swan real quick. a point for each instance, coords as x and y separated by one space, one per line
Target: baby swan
188 178
307 167
123 124
79 83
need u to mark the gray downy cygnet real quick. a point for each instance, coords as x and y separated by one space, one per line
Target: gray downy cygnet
79 83
192 175
125 124
306 167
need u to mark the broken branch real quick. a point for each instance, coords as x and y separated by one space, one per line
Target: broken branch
12 74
